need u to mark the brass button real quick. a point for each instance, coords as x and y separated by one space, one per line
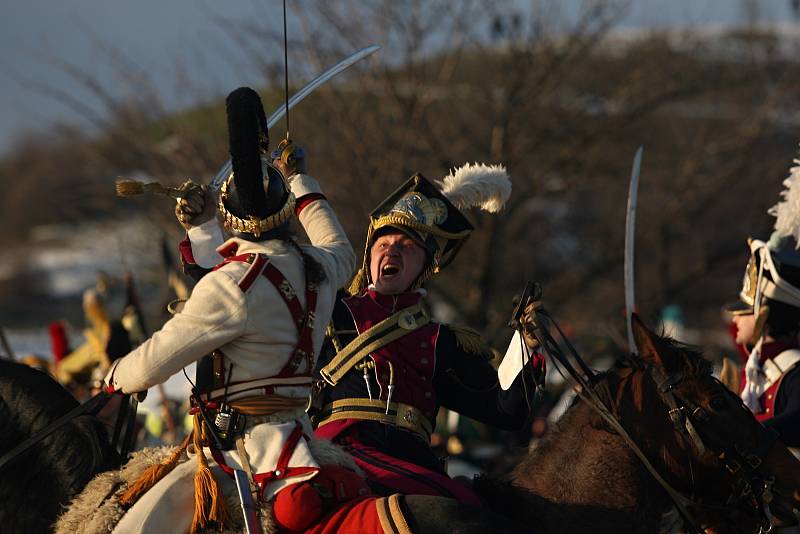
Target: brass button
767 410
769 396
407 321
424 361
424 345
427 394
423 378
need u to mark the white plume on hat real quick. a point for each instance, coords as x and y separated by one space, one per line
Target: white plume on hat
477 185
787 211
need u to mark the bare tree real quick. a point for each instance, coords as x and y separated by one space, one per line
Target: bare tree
563 101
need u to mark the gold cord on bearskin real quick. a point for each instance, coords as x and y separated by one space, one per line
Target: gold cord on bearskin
253 225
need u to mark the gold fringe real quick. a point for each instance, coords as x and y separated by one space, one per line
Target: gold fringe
730 375
361 278
358 284
152 475
470 340
209 503
129 188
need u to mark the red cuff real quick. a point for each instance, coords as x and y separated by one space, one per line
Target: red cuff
539 364
185 249
305 200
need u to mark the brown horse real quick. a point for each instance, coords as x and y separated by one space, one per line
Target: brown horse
584 477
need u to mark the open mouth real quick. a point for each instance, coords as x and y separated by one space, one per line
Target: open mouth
390 270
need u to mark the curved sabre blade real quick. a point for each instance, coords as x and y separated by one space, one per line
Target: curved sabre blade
279 113
630 238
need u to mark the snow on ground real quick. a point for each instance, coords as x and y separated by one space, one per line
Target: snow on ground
177 387
74 254
37 341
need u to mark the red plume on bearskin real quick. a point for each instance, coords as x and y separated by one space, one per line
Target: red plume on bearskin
59 344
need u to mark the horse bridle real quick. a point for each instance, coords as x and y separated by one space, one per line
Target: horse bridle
121 441
750 482
744 465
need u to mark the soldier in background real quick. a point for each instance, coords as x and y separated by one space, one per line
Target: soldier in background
767 320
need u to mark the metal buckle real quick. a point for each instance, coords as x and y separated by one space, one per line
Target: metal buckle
676 416
733 466
700 414
753 460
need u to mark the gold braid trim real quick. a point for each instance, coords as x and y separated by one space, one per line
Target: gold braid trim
267 404
390 515
470 340
401 219
254 225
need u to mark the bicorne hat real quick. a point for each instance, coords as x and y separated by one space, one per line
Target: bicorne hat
772 275
773 270
430 213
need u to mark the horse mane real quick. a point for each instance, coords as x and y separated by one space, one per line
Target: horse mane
682 358
57 467
581 446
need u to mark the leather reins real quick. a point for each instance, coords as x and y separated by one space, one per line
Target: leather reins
90 407
685 416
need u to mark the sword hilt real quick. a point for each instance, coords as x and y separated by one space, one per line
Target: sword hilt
292 155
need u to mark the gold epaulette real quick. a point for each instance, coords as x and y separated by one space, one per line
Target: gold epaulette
470 340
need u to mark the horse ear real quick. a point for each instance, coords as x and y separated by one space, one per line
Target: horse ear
645 341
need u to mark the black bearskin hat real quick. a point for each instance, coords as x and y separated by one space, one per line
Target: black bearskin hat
254 199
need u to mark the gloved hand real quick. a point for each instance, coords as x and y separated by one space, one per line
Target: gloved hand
527 322
110 387
140 396
196 206
289 158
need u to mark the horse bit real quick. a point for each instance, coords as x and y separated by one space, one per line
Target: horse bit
749 483
744 465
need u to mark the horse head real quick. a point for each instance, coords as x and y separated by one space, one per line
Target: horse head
35 486
730 472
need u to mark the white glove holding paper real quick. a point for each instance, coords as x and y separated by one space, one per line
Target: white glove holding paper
513 362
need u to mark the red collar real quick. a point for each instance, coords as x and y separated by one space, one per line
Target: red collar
394 302
774 348
228 249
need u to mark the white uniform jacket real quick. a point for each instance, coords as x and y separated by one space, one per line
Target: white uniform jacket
253 329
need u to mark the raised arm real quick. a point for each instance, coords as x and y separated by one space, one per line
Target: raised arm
330 244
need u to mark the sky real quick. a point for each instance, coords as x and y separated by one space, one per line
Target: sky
179 39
